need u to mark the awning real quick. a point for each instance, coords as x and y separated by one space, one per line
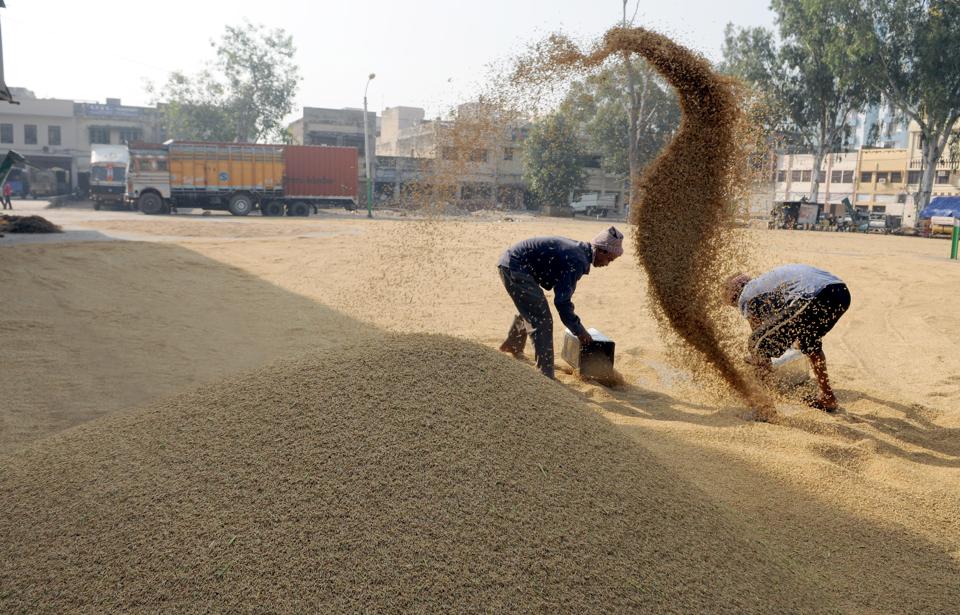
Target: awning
942 206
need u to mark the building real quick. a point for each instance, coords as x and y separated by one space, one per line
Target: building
475 158
338 127
881 185
44 130
878 127
837 178
112 123
399 130
56 134
946 181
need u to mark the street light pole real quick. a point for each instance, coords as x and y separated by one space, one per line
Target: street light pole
366 149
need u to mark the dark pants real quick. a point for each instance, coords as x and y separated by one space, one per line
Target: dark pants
6 203
804 322
533 309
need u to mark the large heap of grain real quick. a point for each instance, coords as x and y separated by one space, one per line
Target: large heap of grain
414 473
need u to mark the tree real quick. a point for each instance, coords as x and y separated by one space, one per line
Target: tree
243 96
552 154
627 131
909 48
810 98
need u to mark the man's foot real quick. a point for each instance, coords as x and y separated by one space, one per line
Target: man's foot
827 404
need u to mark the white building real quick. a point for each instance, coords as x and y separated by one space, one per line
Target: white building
837 175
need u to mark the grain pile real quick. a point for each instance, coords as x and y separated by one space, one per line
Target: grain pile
27 224
413 473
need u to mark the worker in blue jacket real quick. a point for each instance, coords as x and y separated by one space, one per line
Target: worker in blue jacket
551 263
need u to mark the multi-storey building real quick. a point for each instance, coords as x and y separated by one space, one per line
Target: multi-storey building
56 134
882 183
946 180
836 175
477 155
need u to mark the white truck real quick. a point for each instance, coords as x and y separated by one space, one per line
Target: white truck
108 174
593 204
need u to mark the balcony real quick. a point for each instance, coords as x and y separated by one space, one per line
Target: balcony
945 164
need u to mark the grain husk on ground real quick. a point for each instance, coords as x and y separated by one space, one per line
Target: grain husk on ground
454 479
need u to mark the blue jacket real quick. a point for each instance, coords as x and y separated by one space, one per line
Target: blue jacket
555 263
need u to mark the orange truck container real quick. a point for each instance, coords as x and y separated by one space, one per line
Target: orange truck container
242 177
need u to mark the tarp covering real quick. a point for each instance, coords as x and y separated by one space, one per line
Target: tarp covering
942 206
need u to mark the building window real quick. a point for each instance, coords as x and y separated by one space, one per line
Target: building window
866 177
836 177
448 153
781 177
847 177
805 176
478 155
53 135
879 209
896 177
6 133
30 134
795 176
913 177
943 177
99 134
128 135
508 153
901 198
882 177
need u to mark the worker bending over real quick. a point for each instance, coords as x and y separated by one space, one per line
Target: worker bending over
791 304
556 263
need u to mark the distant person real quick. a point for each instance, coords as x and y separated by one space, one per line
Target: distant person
7 193
791 304
551 263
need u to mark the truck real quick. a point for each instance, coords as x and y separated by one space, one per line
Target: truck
108 170
240 178
594 204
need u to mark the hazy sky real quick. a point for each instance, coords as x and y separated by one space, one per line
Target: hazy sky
426 53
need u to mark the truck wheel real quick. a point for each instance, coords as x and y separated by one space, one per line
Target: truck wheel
150 204
299 209
273 208
240 205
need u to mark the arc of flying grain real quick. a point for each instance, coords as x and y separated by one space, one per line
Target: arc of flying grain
682 203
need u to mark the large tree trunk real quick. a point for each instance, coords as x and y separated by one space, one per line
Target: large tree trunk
632 149
634 113
818 156
934 143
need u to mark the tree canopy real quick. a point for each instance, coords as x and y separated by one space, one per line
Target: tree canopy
552 156
242 96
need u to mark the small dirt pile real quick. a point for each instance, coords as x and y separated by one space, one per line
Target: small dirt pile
412 473
27 224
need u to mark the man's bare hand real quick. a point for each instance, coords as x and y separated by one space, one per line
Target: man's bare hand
585 339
